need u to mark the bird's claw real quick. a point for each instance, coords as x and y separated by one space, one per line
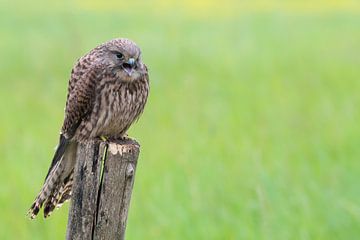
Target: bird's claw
104 139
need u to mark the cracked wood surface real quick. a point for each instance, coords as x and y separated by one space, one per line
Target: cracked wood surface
102 190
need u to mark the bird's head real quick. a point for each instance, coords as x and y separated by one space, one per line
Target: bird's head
123 56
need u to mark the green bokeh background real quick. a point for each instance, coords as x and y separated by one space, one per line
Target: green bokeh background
251 129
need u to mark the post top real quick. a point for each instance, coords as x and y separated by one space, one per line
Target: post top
122 146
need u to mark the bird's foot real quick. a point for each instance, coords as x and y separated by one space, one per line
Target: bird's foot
104 139
123 139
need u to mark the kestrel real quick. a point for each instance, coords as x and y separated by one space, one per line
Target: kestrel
107 92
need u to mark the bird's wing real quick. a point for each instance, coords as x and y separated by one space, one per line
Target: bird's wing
79 105
80 100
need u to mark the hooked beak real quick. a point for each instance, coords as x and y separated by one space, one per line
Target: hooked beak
129 66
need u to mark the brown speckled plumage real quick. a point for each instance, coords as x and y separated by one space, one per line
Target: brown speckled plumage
107 92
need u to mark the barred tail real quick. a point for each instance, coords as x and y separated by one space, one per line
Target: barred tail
59 195
50 183
57 186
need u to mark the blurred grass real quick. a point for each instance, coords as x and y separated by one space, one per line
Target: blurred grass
251 129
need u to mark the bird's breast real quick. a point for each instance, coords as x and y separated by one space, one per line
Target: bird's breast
119 108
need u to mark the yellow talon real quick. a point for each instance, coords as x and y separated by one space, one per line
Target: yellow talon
103 138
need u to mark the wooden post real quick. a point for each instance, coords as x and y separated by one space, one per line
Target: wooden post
103 182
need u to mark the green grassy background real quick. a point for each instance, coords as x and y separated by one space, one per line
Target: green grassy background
251 129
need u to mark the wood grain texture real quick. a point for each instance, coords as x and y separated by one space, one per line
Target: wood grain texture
100 202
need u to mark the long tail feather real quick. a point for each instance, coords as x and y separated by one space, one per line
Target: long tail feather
58 177
59 195
46 189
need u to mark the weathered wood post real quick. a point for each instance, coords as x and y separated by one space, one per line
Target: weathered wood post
103 181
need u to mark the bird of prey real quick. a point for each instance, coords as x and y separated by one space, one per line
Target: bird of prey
107 92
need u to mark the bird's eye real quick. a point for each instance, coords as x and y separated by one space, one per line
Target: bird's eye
119 55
